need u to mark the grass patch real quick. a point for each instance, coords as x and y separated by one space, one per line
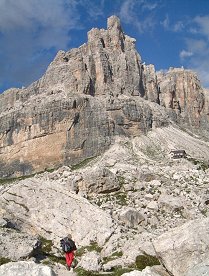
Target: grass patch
4 181
116 271
146 260
4 260
202 165
19 178
46 245
114 256
82 272
92 247
51 259
82 163
121 180
121 198
46 249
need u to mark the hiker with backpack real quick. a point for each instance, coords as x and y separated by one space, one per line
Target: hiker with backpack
68 246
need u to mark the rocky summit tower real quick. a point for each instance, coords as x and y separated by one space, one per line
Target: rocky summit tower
87 97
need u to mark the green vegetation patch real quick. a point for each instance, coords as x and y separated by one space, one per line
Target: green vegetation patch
116 271
92 247
13 179
146 260
202 165
121 198
54 259
4 181
82 272
82 163
46 245
121 180
4 260
114 256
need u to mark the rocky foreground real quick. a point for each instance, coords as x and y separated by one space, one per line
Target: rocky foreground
132 211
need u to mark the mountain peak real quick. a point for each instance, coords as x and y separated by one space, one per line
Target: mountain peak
113 22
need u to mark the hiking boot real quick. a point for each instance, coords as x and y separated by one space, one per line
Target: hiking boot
68 267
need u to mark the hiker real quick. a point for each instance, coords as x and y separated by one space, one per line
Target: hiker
68 246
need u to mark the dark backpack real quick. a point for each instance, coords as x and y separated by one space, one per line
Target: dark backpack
67 245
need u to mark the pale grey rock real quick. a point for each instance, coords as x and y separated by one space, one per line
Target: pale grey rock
133 273
201 269
99 180
148 196
66 273
113 263
90 261
181 91
138 244
148 271
15 245
170 202
153 205
23 268
155 183
47 208
131 217
46 205
3 222
184 247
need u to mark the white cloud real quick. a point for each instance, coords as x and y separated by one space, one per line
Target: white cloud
199 59
203 24
40 17
178 26
172 27
149 6
184 54
132 10
196 53
31 32
166 22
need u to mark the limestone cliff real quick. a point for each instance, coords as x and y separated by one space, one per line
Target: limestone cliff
86 98
181 91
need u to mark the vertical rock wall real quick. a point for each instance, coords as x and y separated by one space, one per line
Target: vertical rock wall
88 96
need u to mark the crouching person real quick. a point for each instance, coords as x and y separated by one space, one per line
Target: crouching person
69 247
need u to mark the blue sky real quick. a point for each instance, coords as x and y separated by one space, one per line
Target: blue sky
169 33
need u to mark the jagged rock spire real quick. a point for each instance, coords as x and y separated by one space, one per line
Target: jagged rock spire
113 22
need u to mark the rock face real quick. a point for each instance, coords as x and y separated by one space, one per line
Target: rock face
181 91
48 209
188 243
15 245
86 98
26 268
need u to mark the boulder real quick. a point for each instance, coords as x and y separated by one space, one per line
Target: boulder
148 271
15 245
25 268
99 180
48 209
90 261
153 205
201 269
131 217
184 248
170 203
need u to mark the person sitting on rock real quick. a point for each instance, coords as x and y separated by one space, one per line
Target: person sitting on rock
68 246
